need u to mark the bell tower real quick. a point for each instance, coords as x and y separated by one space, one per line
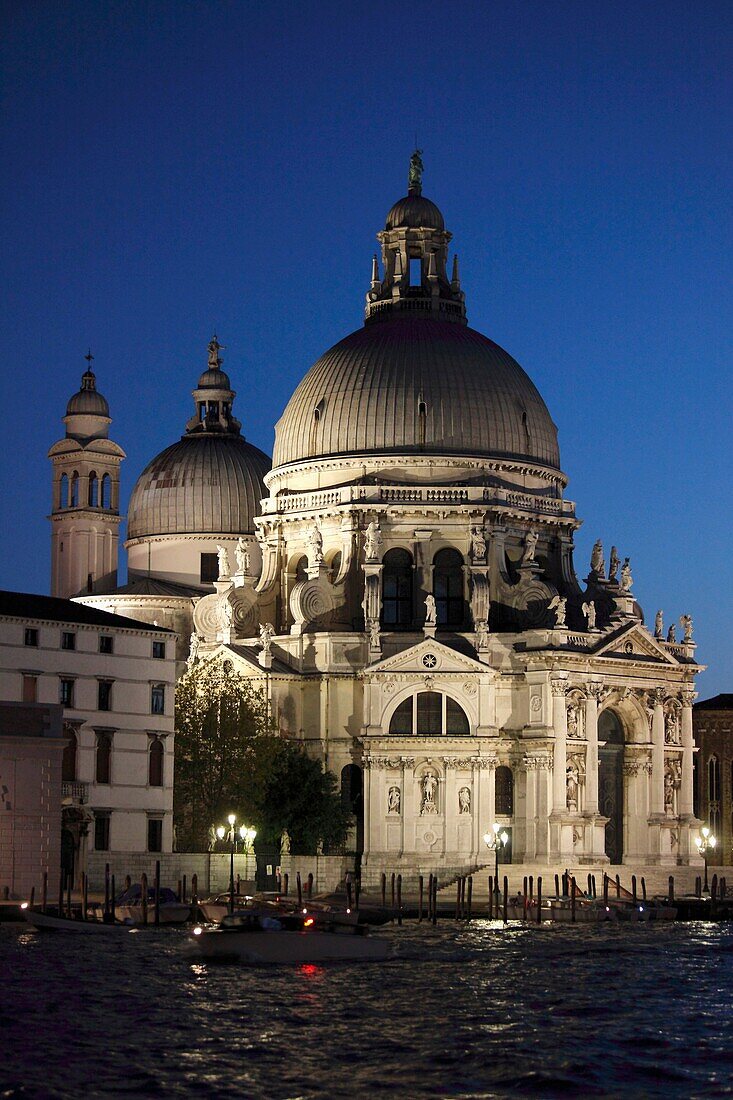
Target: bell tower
85 511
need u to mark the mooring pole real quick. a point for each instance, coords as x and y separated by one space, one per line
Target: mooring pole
106 889
670 888
539 899
144 896
491 897
399 899
420 885
112 900
157 893
299 888
435 900
572 899
506 898
44 892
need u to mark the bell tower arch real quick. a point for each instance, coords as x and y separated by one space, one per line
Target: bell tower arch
85 507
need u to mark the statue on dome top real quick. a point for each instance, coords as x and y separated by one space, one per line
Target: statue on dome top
214 358
686 624
414 179
626 578
659 625
613 564
372 540
597 562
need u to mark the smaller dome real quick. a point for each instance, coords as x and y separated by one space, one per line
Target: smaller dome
415 212
214 379
87 402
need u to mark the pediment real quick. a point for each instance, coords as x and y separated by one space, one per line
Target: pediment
635 643
428 656
245 662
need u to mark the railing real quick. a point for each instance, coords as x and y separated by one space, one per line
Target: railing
76 789
414 494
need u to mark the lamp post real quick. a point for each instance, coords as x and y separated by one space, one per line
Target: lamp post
246 835
494 841
707 840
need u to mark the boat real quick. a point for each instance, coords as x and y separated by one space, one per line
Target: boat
129 907
261 936
52 922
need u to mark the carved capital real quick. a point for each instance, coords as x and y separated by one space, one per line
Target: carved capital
452 761
483 762
559 688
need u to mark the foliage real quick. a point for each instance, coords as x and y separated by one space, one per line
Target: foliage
231 759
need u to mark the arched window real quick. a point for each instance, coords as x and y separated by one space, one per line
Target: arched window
74 495
104 757
68 760
504 791
105 500
155 762
430 714
610 729
397 590
93 490
301 569
448 587
64 492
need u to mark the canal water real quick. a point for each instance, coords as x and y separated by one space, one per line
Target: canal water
461 1011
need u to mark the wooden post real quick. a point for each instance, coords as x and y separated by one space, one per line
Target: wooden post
670 889
590 885
524 898
420 887
310 885
144 896
157 893
84 894
239 886
572 899
112 900
643 887
179 892
506 897
714 887
463 897
539 899
618 886
633 889
183 887
458 898
392 892
32 902
399 899
68 897
349 893
384 890
44 892
434 903
286 883
106 889
299 887
61 894
469 897
491 897
605 889
595 890
357 891
194 889
698 887
128 882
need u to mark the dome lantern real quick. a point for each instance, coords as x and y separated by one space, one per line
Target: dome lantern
414 255
213 398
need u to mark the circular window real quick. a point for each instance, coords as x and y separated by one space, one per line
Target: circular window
430 660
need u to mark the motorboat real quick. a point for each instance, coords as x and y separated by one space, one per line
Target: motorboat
52 922
261 936
129 906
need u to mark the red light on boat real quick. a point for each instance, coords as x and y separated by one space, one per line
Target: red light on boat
308 923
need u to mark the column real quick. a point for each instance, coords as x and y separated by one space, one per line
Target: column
685 796
367 793
657 791
591 752
530 840
559 764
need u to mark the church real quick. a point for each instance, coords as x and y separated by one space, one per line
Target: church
400 580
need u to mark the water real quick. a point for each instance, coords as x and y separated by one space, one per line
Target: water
462 1011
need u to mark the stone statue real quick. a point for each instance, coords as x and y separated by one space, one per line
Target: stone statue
559 605
686 624
530 545
241 554
212 838
267 632
672 634
315 542
374 636
482 634
394 800
431 611
589 610
668 792
659 625
214 348
597 562
372 541
226 613
613 564
464 801
223 561
429 786
571 782
478 543
193 650
414 179
573 728
285 843
671 729
626 578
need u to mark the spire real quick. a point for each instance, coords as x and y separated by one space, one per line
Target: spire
88 378
455 278
375 273
414 178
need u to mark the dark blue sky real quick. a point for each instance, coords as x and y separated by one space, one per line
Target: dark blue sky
175 169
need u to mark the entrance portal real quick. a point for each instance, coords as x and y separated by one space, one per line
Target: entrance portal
611 782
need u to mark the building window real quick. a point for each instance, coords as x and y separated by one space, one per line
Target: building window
397 589
209 568
104 695
105 499
74 494
155 834
448 587
68 760
157 699
66 693
64 491
104 758
68 639
159 650
106 643
93 490
155 762
429 714
504 791
30 688
31 636
101 832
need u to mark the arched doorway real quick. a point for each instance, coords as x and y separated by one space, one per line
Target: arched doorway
611 782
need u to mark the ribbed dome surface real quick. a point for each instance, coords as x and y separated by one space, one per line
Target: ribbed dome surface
202 484
87 402
415 212
363 396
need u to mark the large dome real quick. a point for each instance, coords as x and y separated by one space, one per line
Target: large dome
204 484
416 385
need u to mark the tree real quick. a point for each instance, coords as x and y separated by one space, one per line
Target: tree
230 758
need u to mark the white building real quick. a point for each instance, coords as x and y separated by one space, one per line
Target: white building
407 592
115 679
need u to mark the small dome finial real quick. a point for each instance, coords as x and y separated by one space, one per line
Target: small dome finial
88 381
414 179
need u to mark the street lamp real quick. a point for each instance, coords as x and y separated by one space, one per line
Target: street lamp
494 841
707 840
232 834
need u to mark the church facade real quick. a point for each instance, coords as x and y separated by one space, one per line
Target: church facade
401 582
